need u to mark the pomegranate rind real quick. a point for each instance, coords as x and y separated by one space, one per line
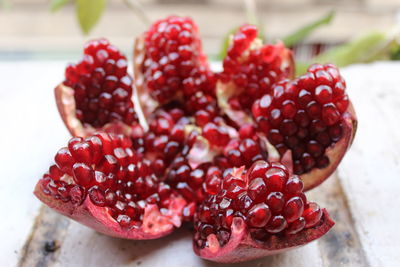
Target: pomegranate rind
335 152
65 102
241 246
147 103
155 224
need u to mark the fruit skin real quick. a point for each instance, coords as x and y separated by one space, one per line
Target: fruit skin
98 218
241 247
335 153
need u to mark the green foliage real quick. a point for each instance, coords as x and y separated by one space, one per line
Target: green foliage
299 35
56 5
89 13
369 47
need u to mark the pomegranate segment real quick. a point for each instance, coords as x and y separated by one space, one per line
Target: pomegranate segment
170 64
258 212
101 182
97 93
311 116
249 71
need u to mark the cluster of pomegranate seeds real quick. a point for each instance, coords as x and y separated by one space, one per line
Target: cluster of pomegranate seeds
174 62
268 199
166 137
106 169
102 86
252 67
304 115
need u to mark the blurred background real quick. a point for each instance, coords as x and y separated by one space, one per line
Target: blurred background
55 29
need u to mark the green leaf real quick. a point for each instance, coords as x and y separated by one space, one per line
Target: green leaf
56 5
5 4
225 43
89 13
374 45
304 31
366 48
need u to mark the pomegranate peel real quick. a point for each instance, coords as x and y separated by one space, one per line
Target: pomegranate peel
155 224
241 247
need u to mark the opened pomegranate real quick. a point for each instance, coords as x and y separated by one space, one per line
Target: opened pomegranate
211 150
312 117
97 93
257 212
101 182
249 71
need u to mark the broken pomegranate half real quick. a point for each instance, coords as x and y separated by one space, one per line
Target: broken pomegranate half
313 118
97 93
258 212
101 182
250 68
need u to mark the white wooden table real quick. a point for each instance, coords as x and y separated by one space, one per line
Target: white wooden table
362 196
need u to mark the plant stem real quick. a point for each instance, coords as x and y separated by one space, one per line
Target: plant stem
137 8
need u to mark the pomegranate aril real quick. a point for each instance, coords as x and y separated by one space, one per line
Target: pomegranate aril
276 224
83 174
312 214
296 226
293 209
258 215
96 195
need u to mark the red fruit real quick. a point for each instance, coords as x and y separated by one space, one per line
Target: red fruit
249 71
97 93
263 224
313 118
169 62
118 196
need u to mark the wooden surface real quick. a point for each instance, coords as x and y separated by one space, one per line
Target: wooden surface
362 196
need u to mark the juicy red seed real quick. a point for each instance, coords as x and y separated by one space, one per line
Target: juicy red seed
276 202
293 209
312 215
296 226
276 224
83 174
257 189
294 185
258 169
64 160
212 184
55 172
77 194
96 195
259 215
275 179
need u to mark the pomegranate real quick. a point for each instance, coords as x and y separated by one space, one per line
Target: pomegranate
211 150
101 182
169 63
257 212
249 71
313 118
97 93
